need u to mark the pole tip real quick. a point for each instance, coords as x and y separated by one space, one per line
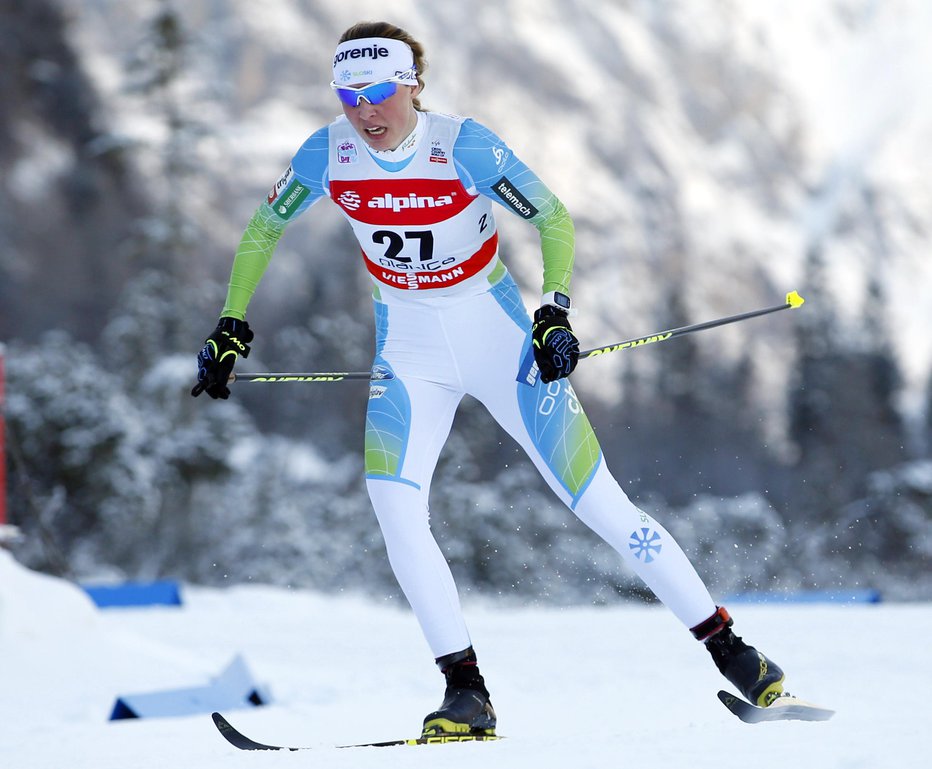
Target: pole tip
794 300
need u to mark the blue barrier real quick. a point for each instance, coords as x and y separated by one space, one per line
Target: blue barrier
857 595
163 592
233 688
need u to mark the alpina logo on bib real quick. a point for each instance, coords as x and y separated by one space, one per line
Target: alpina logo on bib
410 201
402 201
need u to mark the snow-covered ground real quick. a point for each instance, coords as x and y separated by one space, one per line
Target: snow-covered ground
574 688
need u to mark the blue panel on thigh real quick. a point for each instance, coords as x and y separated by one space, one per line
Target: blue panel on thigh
388 422
561 432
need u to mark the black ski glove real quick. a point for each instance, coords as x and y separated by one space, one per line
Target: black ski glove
556 348
215 362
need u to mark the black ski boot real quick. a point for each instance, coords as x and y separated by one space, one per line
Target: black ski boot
466 708
759 679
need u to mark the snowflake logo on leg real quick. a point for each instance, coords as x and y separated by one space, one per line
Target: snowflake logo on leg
645 544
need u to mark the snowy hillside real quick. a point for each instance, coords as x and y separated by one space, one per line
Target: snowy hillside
581 688
714 155
701 146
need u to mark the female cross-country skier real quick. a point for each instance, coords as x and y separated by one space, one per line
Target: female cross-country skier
417 187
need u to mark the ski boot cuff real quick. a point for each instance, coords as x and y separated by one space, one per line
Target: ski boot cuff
447 661
461 671
713 625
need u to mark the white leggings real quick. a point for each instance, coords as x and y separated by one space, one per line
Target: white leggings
431 352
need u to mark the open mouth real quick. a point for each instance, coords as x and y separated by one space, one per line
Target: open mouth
376 131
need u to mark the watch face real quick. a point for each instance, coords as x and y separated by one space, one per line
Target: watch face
561 299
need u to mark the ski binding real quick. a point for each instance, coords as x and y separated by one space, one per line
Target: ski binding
785 708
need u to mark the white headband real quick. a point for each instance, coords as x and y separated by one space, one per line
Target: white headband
371 59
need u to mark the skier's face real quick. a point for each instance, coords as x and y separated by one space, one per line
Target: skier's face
387 124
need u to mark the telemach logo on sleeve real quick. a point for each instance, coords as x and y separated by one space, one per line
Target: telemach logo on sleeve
506 191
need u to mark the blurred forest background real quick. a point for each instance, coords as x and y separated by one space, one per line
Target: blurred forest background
714 155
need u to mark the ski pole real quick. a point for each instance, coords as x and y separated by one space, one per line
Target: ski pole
310 376
793 300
